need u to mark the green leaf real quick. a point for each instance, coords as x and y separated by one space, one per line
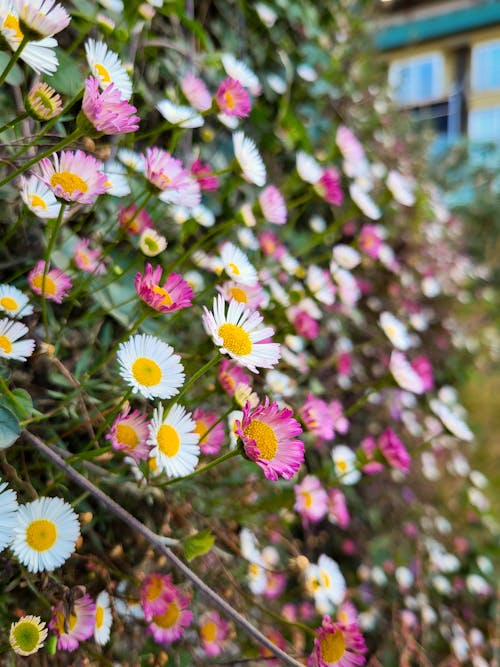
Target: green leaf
9 427
15 77
67 79
19 402
198 544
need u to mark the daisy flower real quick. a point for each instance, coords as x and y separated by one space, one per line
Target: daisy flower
75 177
132 222
232 99
395 331
169 626
252 297
174 294
180 115
338 645
43 102
344 463
328 187
132 160
8 514
10 346
338 513
39 55
167 174
174 440
273 206
207 421
240 334
394 451
249 159
237 265
364 202
205 176
230 376
213 633
106 111
156 591
311 499
406 377
14 302
86 259
41 18
308 168
45 534
26 637
326 583
237 69
116 179
107 67
103 619
317 417
150 366
54 287
39 198
196 92
76 628
370 240
129 434
269 438
151 243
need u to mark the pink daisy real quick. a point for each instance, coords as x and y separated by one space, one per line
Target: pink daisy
347 613
273 206
271 245
338 645
134 222
174 294
205 176
230 376
423 367
310 499
275 585
305 325
251 296
79 624
129 433
317 417
75 177
368 448
54 287
340 423
42 17
337 508
370 240
106 111
268 436
86 259
232 99
167 173
394 451
329 187
204 420
156 592
169 626
196 92
213 632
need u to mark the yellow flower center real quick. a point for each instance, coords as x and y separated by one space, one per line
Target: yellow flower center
103 73
209 631
47 286
60 622
342 466
36 200
200 429
229 100
264 437
326 579
5 344
315 584
99 616
235 339
152 465
165 180
126 435
169 617
332 646
391 331
234 269
307 498
155 588
41 534
27 636
167 299
343 617
8 303
69 182
12 23
146 371
168 440
83 258
239 295
150 244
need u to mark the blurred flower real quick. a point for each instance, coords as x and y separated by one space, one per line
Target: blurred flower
151 243
249 159
208 421
54 286
232 99
27 635
196 92
213 633
75 628
103 619
344 462
310 499
8 514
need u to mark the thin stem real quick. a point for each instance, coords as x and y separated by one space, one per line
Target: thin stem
384 382
14 58
156 541
12 123
50 246
228 455
201 371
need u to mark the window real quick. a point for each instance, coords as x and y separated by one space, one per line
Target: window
418 80
484 124
485 73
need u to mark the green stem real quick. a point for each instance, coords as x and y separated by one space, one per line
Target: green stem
200 471
384 382
14 228
14 58
12 123
201 371
53 149
50 247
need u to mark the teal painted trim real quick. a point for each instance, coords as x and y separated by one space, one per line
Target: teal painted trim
422 30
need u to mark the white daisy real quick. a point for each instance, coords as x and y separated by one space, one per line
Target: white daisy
237 266
151 243
395 331
116 183
402 188
326 583
150 366
240 334
453 422
231 122
404 374
132 160
9 333
39 198
232 419
309 170
113 5
174 441
103 619
14 302
45 534
176 114
106 66
344 462
249 159
8 513
203 216
364 202
237 69
346 256
43 17
26 637
320 284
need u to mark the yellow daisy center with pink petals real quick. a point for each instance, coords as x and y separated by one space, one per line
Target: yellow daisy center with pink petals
209 631
126 435
155 588
69 182
229 100
47 286
264 437
332 646
169 617
239 295
167 299
235 339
